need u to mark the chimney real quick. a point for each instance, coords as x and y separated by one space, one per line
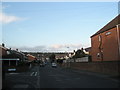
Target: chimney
3 44
16 49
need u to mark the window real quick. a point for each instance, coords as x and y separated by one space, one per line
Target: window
98 54
108 33
8 52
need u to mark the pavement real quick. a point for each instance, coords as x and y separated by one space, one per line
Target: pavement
49 77
108 76
23 79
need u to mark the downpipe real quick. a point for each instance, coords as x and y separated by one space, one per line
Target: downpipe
118 40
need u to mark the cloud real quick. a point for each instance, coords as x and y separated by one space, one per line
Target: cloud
52 48
68 46
32 49
4 18
56 46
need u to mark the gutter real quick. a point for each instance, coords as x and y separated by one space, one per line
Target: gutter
118 40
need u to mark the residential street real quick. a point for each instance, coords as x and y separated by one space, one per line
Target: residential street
49 77
59 44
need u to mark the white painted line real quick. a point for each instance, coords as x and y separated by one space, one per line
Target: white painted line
12 69
32 73
13 73
35 73
10 59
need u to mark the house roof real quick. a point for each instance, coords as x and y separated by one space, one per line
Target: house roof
3 47
31 55
87 49
110 25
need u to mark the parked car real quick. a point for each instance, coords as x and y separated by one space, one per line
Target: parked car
54 65
45 63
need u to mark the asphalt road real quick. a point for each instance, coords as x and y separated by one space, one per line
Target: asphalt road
48 77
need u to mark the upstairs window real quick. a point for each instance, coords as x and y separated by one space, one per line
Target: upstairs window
8 52
98 54
108 33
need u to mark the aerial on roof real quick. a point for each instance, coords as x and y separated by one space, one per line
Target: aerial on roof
110 25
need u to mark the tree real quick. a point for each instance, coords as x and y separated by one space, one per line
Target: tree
60 61
79 53
52 57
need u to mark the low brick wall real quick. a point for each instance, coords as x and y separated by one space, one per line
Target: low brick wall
111 68
84 59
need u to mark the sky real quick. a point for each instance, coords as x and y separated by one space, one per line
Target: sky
53 26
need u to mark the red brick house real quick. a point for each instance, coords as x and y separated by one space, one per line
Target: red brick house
31 58
3 51
106 42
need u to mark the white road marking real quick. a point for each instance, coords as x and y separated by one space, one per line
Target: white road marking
13 73
35 73
32 73
12 69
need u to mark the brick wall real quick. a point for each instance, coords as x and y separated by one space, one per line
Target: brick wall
109 46
111 68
